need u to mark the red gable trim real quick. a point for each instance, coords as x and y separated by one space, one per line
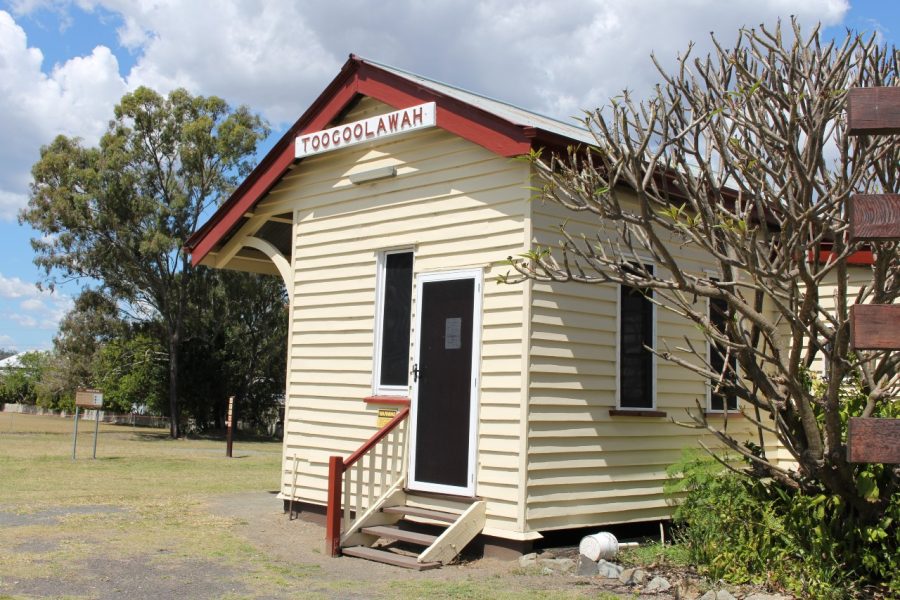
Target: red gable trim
860 257
465 120
263 178
357 77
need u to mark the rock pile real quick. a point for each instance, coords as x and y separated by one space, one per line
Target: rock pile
636 580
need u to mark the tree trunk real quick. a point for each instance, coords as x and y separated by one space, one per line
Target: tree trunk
174 428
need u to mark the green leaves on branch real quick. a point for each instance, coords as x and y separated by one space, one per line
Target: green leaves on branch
121 213
681 216
744 530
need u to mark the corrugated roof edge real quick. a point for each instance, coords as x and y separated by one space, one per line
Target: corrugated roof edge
538 120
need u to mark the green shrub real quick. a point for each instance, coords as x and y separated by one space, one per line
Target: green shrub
744 530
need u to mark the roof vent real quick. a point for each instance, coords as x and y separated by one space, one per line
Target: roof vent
373 175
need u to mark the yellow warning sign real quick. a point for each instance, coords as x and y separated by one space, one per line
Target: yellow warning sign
385 415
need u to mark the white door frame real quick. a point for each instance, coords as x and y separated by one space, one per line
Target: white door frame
478 276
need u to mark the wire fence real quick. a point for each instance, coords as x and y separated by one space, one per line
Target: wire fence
133 419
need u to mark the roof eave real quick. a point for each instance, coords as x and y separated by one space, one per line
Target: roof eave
268 171
358 76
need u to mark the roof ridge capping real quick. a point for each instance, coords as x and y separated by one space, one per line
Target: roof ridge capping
573 122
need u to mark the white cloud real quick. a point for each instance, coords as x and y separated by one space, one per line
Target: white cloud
23 320
13 288
551 56
264 55
277 56
39 308
32 304
75 99
10 203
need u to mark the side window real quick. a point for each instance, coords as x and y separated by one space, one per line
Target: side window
636 330
724 396
393 322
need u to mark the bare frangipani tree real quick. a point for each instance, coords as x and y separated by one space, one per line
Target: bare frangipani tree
744 156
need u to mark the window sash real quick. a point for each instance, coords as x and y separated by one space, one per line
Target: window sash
391 372
635 367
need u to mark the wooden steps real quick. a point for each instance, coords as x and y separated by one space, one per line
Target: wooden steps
380 523
395 533
389 558
423 513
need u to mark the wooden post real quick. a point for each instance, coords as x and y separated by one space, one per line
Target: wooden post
75 435
874 218
333 516
229 424
96 430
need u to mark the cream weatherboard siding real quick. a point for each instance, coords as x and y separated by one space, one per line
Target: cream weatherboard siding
457 206
857 277
549 454
586 467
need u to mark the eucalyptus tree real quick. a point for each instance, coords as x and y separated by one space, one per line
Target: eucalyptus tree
743 156
119 213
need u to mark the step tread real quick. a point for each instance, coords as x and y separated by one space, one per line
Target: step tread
394 533
455 498
426 513
398 560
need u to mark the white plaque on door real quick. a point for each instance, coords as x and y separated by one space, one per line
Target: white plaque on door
453 333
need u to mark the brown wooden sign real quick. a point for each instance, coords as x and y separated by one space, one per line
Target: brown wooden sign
88 398
874 326
873 440
874 110
874 218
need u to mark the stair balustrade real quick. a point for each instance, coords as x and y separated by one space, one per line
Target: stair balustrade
355 482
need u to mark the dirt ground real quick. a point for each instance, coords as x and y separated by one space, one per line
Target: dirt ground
291 550
157 518
300 541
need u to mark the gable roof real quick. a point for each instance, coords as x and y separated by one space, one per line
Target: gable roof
503 110
12 362
498 126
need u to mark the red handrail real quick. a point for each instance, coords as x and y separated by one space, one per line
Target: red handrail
336 468
379 435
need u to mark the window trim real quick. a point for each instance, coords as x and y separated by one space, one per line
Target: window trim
378 339
653 358
709 352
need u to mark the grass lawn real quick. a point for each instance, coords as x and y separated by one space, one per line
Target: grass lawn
145 520
133 465
140 503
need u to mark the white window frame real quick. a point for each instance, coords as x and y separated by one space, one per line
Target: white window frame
653 357
380 279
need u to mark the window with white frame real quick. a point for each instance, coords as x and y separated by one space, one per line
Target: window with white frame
636 333
721 393
395 273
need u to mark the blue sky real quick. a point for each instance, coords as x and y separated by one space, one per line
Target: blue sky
63 66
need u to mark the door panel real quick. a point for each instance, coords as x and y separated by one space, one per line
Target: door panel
444 399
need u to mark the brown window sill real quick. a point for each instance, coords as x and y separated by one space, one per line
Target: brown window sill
391 400
732 414
624 412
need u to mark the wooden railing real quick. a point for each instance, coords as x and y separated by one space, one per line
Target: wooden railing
363 477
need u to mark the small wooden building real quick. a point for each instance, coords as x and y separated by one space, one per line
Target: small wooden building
389 209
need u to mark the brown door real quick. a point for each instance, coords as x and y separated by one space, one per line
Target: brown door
445 383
